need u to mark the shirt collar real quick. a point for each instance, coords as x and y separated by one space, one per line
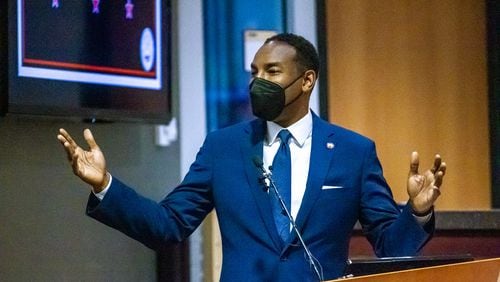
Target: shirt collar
300 130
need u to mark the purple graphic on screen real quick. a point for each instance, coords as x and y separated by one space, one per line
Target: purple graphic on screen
95 8
129 10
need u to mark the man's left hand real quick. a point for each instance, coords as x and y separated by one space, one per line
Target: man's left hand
424 189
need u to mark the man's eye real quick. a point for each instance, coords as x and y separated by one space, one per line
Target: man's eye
273 71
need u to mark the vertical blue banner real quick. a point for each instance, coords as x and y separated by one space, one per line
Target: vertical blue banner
225 22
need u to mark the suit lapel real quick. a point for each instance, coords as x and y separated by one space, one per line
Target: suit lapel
322 149
251 147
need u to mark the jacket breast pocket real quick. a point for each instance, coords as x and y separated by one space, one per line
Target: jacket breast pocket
331 187
342 193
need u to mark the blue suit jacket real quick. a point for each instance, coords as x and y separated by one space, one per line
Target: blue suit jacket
224 177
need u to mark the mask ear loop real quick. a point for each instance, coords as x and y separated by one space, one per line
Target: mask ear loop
298 96
295 80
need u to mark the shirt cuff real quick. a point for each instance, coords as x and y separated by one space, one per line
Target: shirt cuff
422 220
101 194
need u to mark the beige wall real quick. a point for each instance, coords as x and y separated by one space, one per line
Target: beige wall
412 76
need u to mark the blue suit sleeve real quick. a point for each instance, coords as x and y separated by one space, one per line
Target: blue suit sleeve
390 230
152 223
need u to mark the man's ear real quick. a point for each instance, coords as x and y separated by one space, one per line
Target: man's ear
309 81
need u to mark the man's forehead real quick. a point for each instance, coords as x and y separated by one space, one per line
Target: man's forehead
275 52
278 47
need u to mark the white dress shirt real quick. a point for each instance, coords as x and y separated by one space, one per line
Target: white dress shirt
300 152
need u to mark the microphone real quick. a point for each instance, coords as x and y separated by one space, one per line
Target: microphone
269 184
265 179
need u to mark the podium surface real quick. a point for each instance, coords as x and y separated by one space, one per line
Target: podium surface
487 270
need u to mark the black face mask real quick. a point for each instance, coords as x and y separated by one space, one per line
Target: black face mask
268 98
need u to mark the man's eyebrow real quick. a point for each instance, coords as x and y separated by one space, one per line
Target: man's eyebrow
267 65
273 64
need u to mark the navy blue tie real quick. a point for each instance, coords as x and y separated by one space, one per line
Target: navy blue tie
282 167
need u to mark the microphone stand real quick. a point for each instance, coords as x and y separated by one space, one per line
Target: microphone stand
269 184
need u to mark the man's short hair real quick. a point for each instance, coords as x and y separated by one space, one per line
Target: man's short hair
307 56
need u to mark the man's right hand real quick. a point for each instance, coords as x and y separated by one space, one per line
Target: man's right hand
89 165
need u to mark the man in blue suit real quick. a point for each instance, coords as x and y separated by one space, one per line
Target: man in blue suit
332 179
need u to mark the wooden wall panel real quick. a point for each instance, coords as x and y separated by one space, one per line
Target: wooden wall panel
412 75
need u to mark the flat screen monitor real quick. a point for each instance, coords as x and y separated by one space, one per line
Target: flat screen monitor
92 59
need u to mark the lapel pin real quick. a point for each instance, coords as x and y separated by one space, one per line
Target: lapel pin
330 145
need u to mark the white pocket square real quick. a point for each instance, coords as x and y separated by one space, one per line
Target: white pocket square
327 187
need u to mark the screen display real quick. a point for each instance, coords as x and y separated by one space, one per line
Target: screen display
93 59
